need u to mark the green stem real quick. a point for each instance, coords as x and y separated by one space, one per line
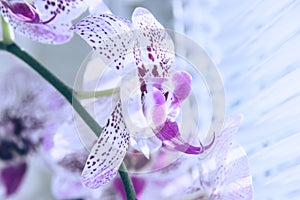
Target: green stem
67 92
7 33
127 183
96 94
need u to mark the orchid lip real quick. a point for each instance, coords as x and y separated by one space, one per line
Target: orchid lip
187 148
170 136
25 12
198 150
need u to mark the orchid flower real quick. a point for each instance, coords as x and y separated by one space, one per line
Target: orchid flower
27 119
142 48
66 159
41 20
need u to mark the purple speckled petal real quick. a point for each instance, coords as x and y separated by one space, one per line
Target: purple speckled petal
223 144
43 21
58 11
154 52
109 35
12 176
224 140
170 136
45 33
229 175
138 184
238 181
107 154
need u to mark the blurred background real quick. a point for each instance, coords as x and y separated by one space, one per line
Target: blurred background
255 45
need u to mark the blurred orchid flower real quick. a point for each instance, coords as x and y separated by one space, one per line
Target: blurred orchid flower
142 53
224 173
28 116
67 158
43 21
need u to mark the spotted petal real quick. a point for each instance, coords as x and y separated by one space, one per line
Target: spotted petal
238 181
227 166
219 154
224 141
43 21
109 35
107 154
154 52
62 10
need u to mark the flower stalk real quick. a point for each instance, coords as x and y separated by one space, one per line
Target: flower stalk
96 94
127 183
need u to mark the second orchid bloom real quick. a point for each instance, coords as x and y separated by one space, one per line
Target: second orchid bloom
142 53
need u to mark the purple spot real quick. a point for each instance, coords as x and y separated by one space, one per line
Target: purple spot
150 56
12 176
154 71
166 95
142 71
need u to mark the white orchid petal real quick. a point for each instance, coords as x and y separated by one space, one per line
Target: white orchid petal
107 154
154 52
110 36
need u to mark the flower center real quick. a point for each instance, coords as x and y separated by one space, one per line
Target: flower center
9 149
15 135
138 120
143 111
24 11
